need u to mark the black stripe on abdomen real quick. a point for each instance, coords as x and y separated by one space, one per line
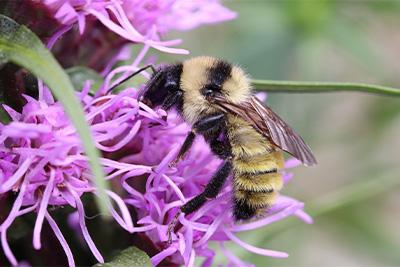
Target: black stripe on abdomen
255 187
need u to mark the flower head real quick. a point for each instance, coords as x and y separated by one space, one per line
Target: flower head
142 21
168 188
42 160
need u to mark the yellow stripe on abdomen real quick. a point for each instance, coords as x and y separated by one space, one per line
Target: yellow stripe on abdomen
256 165
256 182
265 182
259 163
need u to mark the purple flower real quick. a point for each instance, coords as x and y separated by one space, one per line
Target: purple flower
142 21
168 188
41 158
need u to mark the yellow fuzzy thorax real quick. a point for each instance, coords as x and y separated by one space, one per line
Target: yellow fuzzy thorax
195 76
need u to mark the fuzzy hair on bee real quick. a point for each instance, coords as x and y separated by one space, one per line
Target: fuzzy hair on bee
216 99
206 73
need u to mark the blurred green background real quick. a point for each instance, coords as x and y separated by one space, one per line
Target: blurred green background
353 193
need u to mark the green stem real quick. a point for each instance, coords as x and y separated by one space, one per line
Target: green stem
321 87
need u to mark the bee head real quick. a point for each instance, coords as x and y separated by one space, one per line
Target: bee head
163 87
194 86
206 79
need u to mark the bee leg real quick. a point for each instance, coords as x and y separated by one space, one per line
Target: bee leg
210 192
222 149
171 226
212 188
204 125
171 99
187 144
209 124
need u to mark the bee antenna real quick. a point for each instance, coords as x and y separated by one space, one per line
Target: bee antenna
132 75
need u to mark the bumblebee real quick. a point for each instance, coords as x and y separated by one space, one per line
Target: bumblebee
215 97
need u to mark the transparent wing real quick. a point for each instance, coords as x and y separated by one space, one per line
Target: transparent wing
268 123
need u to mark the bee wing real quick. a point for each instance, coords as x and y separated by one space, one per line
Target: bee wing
268 123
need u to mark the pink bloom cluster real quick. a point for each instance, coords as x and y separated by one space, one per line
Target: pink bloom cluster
41 157
42 160
167 188
142 21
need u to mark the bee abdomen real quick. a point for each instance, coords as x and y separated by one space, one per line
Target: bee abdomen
256 165
256 184
262 182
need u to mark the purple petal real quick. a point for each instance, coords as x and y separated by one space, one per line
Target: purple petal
291 163
302 215
84 229
192 258
15 116
267 220
27 210
188 244
7 251
16 176
156 259
262 96
125 140
54 39
42 210
114 27
175 188
8 221
124 210
143 228
66 14
170 206
256 250
81 23
212 229
61 239
231 257
25 130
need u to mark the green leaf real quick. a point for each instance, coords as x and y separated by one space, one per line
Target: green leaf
4 118
3 115
80 74
22 47
130 257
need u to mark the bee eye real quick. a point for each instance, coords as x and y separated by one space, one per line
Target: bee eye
170 86
208 93
210 90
